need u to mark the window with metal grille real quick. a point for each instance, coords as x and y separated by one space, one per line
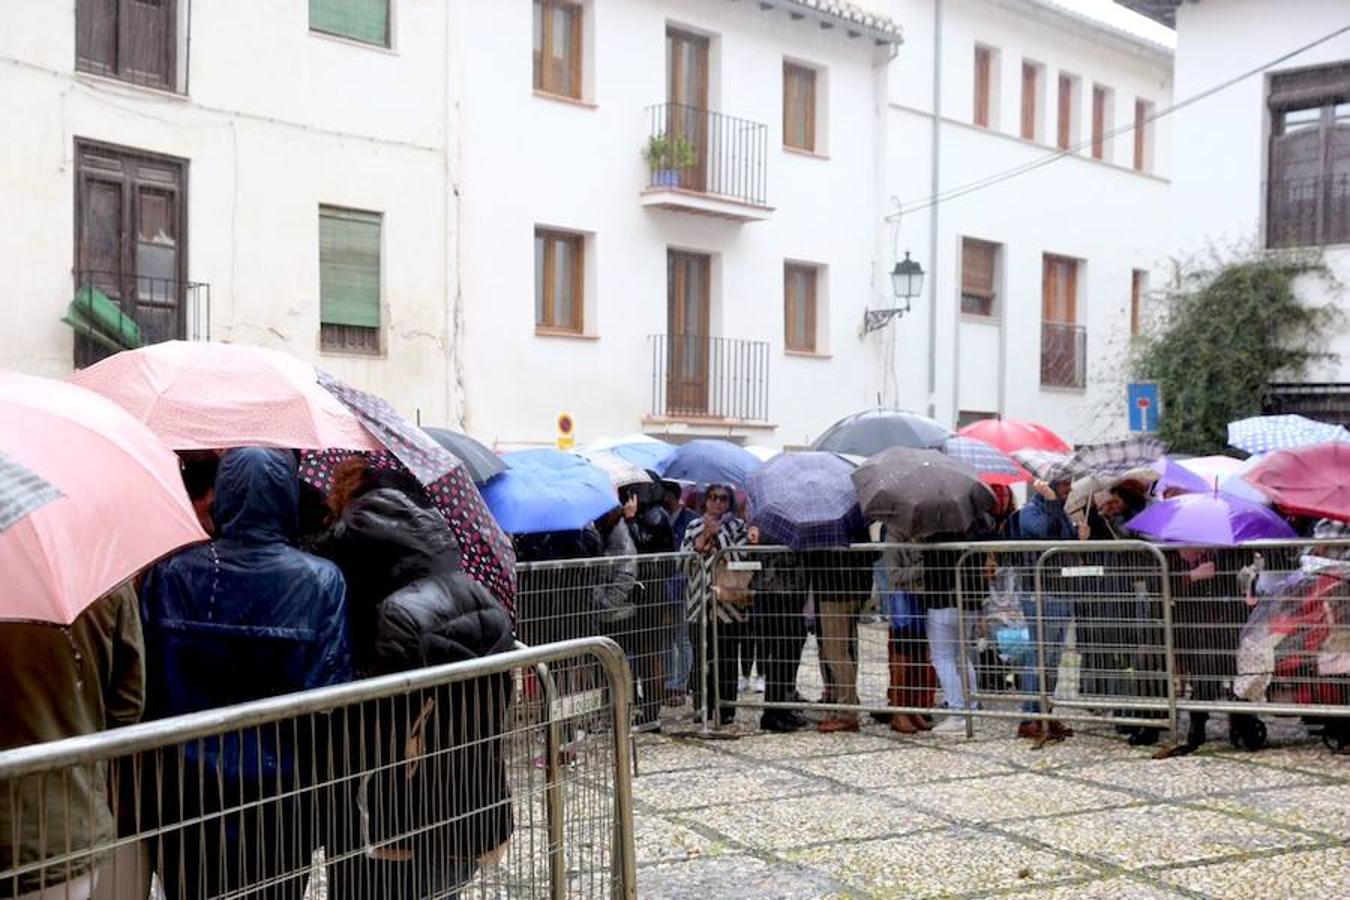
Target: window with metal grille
799 107
132 40
349 280
557 48
559 281
799 307
979 261
1308 191
366 21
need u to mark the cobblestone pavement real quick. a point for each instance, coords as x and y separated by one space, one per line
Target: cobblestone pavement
876 814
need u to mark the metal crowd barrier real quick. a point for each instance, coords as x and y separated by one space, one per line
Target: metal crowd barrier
453 779
1122 632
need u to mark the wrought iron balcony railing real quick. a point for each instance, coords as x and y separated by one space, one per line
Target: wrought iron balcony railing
1308 212
112 311
694 376
706 152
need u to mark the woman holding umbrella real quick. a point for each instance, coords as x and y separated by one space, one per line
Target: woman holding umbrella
718 529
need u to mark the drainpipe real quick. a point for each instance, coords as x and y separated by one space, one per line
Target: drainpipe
934 186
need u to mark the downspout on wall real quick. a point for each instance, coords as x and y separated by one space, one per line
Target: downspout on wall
934 186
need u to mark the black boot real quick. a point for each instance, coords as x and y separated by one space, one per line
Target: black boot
1195 737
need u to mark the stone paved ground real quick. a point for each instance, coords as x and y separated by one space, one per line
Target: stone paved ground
879 815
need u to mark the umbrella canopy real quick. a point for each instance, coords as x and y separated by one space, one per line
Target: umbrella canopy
204 396
22 491
548 490
990 463
1115 458
1311 481
1211 518
481 462
1174 475
871 431
641 450
122 503
1262 434
1010 435
1211 468
621 472
1084 488
761 453
709 462
919 493
1046 465
805 500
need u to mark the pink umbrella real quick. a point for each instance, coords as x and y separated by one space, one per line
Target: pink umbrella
202 396
122 503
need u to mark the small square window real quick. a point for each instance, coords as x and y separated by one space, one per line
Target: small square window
559 279
979 266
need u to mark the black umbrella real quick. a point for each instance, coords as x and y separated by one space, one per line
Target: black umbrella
920 493
482 463
868 433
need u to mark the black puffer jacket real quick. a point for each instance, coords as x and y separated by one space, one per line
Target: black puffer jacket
413 607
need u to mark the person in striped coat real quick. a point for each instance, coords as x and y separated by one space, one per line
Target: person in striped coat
718 529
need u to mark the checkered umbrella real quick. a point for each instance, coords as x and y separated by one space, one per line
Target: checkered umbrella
805 501
1262 434
1045 465
1115 458
22 491
990 463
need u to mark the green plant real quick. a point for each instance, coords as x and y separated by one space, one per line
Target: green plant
669 151
1225 332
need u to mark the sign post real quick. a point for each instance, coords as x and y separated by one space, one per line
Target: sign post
1145 402
566 426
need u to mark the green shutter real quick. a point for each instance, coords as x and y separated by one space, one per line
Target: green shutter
349 268
360 20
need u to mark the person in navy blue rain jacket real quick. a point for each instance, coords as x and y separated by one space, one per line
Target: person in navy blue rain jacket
243 617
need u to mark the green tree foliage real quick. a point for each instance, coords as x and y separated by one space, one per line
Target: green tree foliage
1224 334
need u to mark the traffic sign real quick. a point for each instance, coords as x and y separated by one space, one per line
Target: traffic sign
566 426
1145 406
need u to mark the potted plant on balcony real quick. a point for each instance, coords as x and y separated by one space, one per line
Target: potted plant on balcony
667 155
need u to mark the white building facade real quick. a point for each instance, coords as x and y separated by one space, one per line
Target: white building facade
1265 162
188 160
667 216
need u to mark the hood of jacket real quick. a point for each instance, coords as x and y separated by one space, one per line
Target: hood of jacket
257 497
394 542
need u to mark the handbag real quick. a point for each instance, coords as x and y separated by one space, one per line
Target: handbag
732 587
905 613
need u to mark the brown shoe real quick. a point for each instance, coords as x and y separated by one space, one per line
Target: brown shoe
904 724
925 723
838 723
1033 730
1059 731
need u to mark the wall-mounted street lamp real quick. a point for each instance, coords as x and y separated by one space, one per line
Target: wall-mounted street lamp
906 284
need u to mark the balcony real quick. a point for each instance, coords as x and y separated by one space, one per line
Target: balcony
1063 355
1308 212
706 163
112 312
720 380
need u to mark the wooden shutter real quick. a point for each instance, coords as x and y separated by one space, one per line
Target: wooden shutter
1064 137
1141 110
96 36
799 107
1098 122
799 307
1030 79
349 267
1059 300
557 48
366 21
134 40
983 65
559 281
978 259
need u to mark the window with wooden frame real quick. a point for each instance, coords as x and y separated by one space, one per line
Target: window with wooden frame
1065 134
984 75
800 287
1063 340
366 21
1059 303
979 266
559 281
799 107
1138 286
557 48
1031 90
1101 113
349 280
131 40
1143 137
1308 191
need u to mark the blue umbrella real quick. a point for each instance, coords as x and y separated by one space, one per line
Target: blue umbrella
710 462
548 490
1262 434
805 501
644 455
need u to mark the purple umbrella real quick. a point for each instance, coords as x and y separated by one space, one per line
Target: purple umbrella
805 501
1213 519
1172 474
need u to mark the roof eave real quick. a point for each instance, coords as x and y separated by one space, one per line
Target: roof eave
852 22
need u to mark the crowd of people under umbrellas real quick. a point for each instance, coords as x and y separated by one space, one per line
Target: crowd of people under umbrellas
301 587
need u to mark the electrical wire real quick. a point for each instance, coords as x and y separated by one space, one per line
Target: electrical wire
1007 174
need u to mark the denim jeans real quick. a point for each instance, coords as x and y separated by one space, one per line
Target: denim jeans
949 653
1047 633
681 657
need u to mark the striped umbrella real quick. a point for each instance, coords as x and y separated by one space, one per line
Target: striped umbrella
990 463
1262 434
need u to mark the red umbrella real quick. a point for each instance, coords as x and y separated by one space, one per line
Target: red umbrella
1307 481
1011 435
